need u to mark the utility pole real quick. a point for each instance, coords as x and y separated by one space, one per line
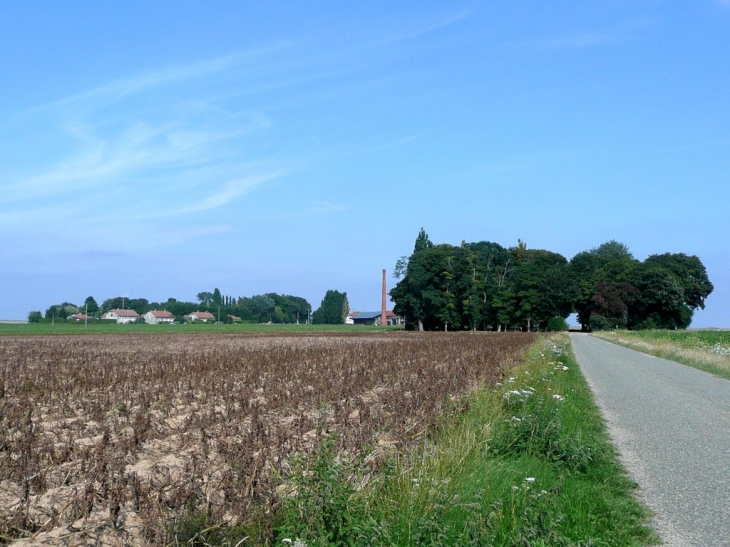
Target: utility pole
86 315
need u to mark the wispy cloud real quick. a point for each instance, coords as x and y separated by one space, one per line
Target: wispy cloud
157 154
137 83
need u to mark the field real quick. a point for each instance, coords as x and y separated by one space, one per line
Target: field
707 350
122 439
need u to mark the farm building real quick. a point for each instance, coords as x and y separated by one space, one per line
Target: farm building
373 318
156 317
202 316
122 317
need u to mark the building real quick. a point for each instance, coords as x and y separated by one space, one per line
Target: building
122 317
373 318
156 317
80 317
202 316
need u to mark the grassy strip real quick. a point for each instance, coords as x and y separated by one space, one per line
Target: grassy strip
705 350
527 463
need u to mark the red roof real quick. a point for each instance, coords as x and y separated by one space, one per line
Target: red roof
203 315
125 313
161 314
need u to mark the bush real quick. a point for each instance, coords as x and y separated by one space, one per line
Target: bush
600 322
557 324
35 317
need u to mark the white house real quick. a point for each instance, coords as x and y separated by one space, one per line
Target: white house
202 316
155 317
122 317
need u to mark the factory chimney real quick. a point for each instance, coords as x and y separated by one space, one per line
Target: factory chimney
383 307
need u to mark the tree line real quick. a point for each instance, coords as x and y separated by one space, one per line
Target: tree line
485 286
263 308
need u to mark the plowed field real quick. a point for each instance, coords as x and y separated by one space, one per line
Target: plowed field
105 438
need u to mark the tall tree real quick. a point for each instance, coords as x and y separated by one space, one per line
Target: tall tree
611 262
690 273
333 310
90 306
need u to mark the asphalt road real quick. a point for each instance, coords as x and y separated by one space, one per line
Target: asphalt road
671 424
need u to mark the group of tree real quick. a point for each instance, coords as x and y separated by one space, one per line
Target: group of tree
485 286
264 308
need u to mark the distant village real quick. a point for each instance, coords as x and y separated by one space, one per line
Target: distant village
157 317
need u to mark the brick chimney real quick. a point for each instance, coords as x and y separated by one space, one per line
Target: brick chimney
384 308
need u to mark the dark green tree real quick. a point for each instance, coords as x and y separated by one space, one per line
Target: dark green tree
205 298
90 306
611 262
333 310
660 302
689 272
35 317
262 307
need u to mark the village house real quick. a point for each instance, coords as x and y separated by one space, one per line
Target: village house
156 317
122 317
202 316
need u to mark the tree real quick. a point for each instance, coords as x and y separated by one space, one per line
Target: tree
205 298
61 311
333 310
611 262
90 305
422 242
542 287
217 299
690 273
35 317
262 306
660 302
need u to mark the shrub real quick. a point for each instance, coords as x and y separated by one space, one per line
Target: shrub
600 322
557 324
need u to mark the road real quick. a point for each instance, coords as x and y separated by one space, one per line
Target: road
671 424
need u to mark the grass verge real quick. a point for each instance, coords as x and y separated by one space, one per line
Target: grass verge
526 463
707 350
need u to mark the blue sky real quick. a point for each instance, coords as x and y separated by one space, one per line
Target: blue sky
162 149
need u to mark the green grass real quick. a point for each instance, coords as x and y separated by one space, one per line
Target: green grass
14 329
527 463
707 350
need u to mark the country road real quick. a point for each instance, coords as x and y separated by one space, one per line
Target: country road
671 424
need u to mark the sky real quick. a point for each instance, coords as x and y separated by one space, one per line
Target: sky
161 149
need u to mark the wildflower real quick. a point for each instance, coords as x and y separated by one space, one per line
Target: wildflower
558 397
530 479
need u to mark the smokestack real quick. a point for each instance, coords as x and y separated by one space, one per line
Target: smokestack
383 308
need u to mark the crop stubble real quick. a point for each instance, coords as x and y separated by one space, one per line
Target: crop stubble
103 438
